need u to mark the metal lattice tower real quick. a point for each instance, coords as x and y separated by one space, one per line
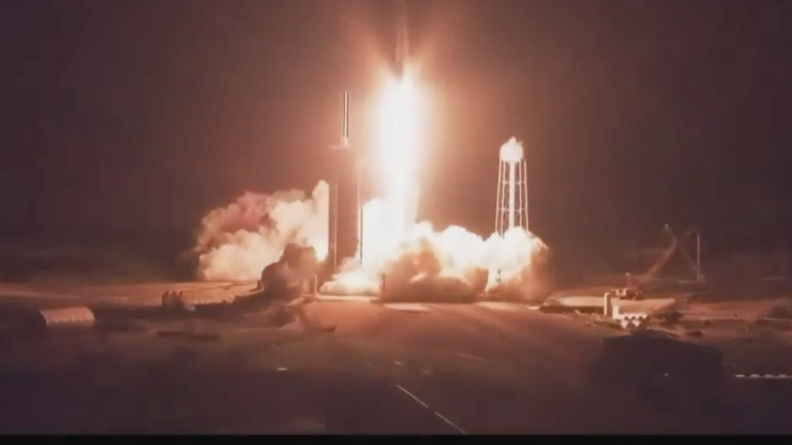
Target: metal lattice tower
511 209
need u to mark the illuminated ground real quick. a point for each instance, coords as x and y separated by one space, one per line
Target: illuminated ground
418 368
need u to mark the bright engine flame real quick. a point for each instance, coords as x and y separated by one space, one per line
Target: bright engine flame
393 244
400 133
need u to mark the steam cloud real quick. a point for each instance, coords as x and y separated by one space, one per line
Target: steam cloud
236 242
453 265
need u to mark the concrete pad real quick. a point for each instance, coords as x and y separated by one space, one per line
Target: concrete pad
346 298
408 307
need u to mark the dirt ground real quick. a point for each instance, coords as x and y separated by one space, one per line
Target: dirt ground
409 368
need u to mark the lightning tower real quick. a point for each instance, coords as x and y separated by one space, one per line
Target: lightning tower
511 209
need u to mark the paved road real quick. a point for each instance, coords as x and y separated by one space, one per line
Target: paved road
504 369
423 368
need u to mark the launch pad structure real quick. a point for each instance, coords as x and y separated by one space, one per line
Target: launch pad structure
345 204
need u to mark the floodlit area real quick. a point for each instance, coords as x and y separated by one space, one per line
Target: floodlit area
236 242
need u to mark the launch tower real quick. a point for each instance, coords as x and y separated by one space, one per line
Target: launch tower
345 204
511 209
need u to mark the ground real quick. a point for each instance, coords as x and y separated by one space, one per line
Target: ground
402 368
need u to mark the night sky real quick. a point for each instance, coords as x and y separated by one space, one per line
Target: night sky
143 114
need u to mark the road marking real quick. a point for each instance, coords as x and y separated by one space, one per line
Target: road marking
470 356
412 396
282 369
450 423
439 416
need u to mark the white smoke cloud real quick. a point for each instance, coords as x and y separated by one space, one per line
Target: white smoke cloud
451 265
236 242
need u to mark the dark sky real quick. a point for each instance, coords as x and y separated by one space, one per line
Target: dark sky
144 113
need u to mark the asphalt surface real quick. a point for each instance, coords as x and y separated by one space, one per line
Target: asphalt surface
392 369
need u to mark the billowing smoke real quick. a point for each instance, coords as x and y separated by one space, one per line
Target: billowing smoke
236 242
451 265
400 259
